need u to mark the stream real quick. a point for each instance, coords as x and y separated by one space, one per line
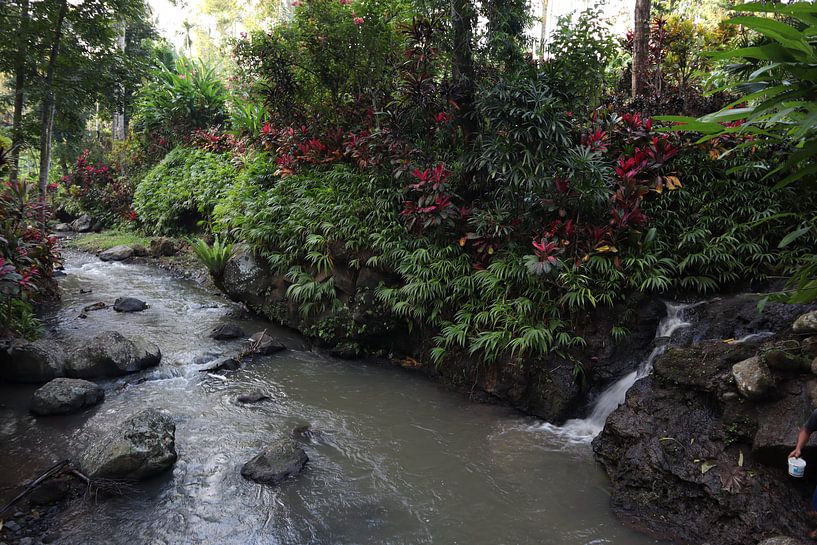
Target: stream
394 458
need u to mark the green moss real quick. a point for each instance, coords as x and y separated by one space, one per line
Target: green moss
96 242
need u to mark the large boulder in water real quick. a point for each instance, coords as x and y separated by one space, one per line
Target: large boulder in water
65 395
129 304
38 361
110 354
225 332
265 344
141 447
117 253
276 463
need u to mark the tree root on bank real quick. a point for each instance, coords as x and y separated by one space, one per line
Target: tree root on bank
64 467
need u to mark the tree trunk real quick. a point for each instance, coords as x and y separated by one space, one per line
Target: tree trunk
462 17
543 35
118 119
47 120
19 87
641 46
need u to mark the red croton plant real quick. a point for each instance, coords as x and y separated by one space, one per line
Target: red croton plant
640 158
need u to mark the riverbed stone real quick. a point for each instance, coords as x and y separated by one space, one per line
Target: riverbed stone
275 463
144 445
62 227
65 395
252 397
139 250
117 253
129 304
83 224
111 354
249 280
752 377
224 332
806 323
265 345
37 361
162 247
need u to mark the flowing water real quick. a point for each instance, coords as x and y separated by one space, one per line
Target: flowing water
394 458
583 430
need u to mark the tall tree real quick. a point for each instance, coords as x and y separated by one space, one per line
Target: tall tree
47 120
19 89
641 46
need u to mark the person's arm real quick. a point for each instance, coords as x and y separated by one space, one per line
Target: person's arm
802 439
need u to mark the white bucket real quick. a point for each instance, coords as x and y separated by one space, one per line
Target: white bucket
797 467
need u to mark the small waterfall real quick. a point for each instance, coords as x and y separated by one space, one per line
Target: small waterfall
583 430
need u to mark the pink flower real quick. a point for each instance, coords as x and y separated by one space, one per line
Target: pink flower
345 2
182 76
296 3
358 20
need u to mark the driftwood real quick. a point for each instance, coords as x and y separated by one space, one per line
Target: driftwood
52 471
93 486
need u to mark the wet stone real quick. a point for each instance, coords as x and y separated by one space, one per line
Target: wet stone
129 304
224 332
276 463
252 397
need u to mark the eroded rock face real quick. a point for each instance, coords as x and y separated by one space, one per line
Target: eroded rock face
276 463
692 461
38 361
117 253
65 395
141 447
247 280
111 354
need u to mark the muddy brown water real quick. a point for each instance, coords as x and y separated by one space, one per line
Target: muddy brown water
395 459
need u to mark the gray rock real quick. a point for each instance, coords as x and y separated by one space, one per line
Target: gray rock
753 378
809 346
786 356
814 366
279 461
252 397
246 279
129 304
806 323
26 541
82 224
265 344
38 361
162 246
12 526
111 354
781 540
223 332
66 395
139 250
62 227
141 447
224 363
117 253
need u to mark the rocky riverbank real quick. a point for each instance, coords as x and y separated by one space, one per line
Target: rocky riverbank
698 452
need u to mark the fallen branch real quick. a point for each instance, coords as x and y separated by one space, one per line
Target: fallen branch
50 472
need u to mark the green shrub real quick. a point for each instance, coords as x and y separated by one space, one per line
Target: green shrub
213 257
179 194
179 102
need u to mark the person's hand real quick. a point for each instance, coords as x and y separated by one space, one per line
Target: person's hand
795 453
